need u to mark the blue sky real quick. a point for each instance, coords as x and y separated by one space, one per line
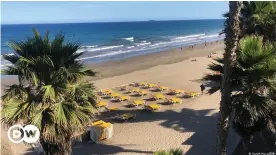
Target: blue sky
73 12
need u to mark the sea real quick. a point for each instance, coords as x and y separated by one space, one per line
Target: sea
107 41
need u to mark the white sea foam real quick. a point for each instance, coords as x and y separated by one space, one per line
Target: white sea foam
143 41
89 46
130 46
209 36
99 48
109 54
143 44
190 36
129 39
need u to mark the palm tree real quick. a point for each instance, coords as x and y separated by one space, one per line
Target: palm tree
252 80
251 101
258 18
232 30
50 93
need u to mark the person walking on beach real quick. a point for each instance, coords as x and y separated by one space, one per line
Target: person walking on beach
202 87
181 48
205 43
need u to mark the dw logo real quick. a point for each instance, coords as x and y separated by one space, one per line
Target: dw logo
28 134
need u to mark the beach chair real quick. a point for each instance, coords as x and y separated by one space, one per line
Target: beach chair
160 88
138 84
157 97
141 93
143 84
152 85
101 104
105 92
152 107
193 94
125 117
123 88
174 100
128 91
137 102
124 98
135 90
176 91
115 95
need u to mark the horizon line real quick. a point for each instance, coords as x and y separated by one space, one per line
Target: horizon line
151 20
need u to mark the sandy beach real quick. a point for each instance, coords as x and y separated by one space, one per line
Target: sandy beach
190 126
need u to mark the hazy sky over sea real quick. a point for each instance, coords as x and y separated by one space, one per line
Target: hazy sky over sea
73 12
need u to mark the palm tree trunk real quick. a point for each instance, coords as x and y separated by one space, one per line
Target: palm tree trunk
246 142
231 42
67 147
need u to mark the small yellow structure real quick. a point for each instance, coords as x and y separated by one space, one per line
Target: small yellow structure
100 130
161 88
124 98
176 91
141 93
152 107
101 104
106 92
115 95
157 97
174 100
192 94
138 102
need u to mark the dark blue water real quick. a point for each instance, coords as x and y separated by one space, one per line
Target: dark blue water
107 41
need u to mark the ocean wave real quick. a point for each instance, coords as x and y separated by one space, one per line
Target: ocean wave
89 46
99 48
143 41
129 39
190 36
108 54
142 44
209 36
131 47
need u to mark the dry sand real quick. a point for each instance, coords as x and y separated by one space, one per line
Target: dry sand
190 126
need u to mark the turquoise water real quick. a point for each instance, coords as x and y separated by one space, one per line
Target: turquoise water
109 41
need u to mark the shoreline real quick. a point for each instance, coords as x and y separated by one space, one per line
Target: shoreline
142 62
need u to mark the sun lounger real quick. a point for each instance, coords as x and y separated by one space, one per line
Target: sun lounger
152 85
126 116
123 88
160 88
143 84
152 107
135 90
137 102
138 84
141 93
124 98
174 100
176 91
157 97
106 92
115 95
101 104
192 94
